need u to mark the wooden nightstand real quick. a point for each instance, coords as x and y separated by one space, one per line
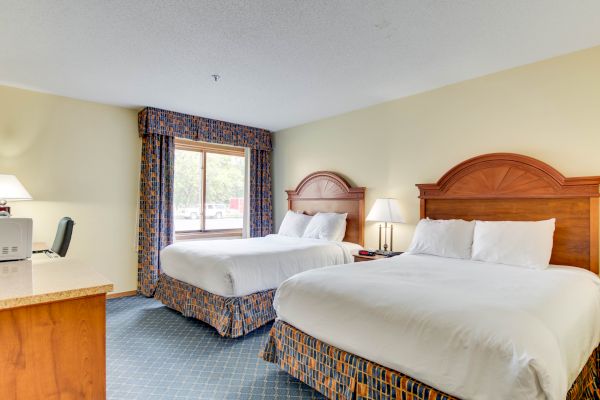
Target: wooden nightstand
359 258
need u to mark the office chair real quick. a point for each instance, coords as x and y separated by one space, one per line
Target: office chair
62 240
63 236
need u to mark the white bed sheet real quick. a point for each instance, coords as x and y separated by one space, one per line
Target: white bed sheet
471 329
240 267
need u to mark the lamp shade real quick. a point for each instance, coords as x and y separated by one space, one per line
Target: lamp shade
11 189
385 210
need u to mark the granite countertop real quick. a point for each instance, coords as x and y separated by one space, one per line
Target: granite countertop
28 282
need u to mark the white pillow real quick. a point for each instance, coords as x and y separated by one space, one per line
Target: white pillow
443 237
294 224
520 243
328 226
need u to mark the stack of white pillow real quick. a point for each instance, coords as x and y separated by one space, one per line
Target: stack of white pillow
519 243
327 226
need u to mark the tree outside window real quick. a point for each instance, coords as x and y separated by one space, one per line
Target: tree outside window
209 189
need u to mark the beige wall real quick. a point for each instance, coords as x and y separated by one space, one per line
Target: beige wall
81 159
77 159
549 110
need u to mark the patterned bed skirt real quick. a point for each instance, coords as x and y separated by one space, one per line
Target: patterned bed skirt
231 316
344 376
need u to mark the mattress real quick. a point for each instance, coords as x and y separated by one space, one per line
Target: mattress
240 267
471 329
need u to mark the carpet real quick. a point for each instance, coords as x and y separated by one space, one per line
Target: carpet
154 352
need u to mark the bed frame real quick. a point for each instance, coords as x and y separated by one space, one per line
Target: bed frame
325 191
512 187
499 186
237 316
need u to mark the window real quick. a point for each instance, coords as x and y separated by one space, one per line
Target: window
209 190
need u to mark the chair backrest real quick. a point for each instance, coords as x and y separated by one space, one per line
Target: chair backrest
63 236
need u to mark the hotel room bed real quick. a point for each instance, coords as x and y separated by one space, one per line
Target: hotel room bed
425 327
465 327
230 284
239 267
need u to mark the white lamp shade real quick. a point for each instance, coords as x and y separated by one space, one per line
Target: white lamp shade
385 210
11 189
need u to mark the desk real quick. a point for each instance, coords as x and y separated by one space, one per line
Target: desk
52 330
39 246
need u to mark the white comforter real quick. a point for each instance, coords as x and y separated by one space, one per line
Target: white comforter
471 329
240 267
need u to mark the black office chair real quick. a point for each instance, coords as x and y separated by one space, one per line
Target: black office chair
63 236
62 240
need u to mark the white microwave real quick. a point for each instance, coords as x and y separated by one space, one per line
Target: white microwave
15 238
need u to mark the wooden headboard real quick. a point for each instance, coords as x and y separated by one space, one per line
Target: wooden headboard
505 186
325 191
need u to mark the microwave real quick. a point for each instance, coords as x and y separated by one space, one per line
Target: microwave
15 238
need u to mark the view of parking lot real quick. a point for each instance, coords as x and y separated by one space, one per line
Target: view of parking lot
183 224
224 208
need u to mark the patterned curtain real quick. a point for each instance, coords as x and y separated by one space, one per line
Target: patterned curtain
158 128
261 208
156 207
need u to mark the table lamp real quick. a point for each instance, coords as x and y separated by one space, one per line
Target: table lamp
11 189
386 211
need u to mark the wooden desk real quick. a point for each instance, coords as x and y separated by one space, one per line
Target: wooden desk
39 246
52 330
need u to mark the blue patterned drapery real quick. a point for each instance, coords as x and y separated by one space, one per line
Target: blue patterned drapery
261 208
156 207
158 128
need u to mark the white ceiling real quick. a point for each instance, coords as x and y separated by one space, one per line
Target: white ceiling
282 62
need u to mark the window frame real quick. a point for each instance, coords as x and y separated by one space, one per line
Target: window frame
205 148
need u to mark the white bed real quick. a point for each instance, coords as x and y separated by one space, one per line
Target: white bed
230 284
468 328
233 268
434 327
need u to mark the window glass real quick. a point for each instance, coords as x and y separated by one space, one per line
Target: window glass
188 190
209 190
225 181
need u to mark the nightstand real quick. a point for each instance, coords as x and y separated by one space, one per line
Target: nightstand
359 258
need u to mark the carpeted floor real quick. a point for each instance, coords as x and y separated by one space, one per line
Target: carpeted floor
155 353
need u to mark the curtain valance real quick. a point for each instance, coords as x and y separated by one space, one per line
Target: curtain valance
154 121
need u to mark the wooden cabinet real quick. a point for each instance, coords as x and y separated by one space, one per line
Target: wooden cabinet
54 350
52 331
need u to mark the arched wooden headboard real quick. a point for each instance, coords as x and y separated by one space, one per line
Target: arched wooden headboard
325 191
505 186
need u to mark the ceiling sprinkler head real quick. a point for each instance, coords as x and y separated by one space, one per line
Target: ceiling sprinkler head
216 77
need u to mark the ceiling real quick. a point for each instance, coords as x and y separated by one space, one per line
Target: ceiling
282 62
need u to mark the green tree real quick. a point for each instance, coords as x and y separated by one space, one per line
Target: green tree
225 178
188 171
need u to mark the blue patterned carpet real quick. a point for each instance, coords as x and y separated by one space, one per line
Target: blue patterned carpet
155 353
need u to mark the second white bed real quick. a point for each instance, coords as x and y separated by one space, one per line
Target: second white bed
234 268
